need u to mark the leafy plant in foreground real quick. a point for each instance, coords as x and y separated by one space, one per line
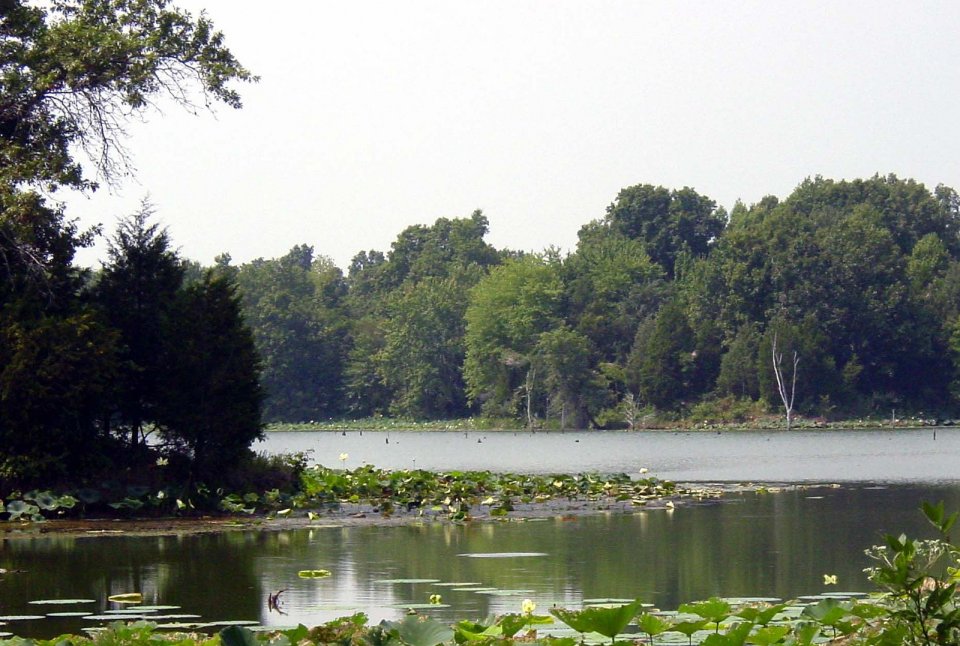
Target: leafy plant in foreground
920 578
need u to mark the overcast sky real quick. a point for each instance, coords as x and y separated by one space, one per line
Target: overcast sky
373 116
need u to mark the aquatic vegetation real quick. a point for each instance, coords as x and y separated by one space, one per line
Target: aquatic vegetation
314 574
457 493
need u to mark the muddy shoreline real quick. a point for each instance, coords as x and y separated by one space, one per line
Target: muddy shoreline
354 515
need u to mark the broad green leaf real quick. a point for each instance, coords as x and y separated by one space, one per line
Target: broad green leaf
827 611
652 624
713 609
313 574
768 635
609 622
238 636
760 616
417 631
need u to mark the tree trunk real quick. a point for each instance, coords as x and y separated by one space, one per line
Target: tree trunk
787 398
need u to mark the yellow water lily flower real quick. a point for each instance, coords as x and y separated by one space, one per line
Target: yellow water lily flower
344 457
528 606
829 579
436 599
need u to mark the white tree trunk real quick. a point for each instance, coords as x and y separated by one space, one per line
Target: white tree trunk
781 382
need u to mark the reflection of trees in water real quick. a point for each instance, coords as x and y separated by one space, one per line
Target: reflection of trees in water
198 572
777 544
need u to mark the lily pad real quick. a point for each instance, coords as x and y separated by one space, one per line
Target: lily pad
590 602
233 622
72 613
505 593
147 608
407 581
57 602
334 607
20 617
126 597
314 574
502 555
417 606
464 584
125 617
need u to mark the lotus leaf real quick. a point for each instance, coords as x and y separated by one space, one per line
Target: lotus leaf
609 622
18 509
416 631
238 636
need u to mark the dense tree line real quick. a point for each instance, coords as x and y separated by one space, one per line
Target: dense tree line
668 302
91 365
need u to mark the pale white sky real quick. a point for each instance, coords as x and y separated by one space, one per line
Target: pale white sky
375 115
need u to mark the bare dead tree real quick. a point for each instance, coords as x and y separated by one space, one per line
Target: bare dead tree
781 381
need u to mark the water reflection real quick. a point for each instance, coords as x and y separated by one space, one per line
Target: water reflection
768 545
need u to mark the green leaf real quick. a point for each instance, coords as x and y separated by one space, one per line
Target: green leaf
238 636
467 631
419 631
609 622
768 635
827 611
713 609
313 574
510 624
690 627
805 634
652 624
937 516
760 616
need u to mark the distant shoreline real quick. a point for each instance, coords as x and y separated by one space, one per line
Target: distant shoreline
386 425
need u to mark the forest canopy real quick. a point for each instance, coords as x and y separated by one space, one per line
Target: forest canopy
667 303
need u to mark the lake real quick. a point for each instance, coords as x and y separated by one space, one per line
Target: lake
753 544
895 455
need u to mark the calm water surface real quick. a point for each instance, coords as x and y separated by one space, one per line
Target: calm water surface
776 544
902 455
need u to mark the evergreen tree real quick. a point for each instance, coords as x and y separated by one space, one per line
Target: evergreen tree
209 397
135 292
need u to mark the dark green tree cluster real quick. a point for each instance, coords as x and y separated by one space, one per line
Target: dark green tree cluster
89 367
387 339
666 303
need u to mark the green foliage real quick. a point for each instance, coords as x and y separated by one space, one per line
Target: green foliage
419 631
456 493
294 308
608 621
668 223
509 310
920 579
74 72
135 292
210 396
663 363
73 364
424 349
